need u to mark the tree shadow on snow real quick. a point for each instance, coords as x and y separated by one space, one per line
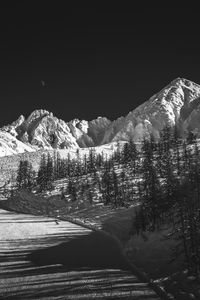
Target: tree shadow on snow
93 251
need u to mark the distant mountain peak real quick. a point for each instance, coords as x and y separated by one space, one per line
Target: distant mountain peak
180 81
174 104
41 129
178 103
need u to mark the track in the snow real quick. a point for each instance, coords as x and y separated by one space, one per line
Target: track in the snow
40 259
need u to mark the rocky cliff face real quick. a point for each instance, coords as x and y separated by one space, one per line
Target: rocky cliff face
43 130
178 103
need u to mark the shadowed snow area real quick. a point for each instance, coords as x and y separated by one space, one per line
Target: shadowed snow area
44 259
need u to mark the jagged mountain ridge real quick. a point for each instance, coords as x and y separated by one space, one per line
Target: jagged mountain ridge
177 103
43 130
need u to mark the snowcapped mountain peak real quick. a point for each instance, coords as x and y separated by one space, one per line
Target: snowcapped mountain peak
172 105
19 121
42 130
37 114
178 104
184 81
180 81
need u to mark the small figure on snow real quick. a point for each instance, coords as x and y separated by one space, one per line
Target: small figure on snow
42 83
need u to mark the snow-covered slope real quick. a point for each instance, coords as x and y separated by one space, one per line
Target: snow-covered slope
89 134
10 145
178 103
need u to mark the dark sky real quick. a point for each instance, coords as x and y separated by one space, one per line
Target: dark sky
96 60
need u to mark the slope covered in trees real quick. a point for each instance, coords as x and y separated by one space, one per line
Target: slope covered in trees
163 176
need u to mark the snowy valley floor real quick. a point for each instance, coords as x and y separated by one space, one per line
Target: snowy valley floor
40 259
149 252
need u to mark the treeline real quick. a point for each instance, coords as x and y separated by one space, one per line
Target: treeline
163 175
132 173
93 176
170 193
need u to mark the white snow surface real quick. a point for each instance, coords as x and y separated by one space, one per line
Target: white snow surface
9 145
178 103
106 151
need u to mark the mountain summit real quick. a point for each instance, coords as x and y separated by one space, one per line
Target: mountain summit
43 130
176 104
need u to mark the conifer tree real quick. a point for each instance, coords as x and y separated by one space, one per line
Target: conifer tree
125 153
106 186
191 138
133 157
176 144
91 160
115 188
25 175
72 190
49 173
57 166
185 160
151 184
45 173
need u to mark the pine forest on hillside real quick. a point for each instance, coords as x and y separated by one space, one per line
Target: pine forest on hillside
161 176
